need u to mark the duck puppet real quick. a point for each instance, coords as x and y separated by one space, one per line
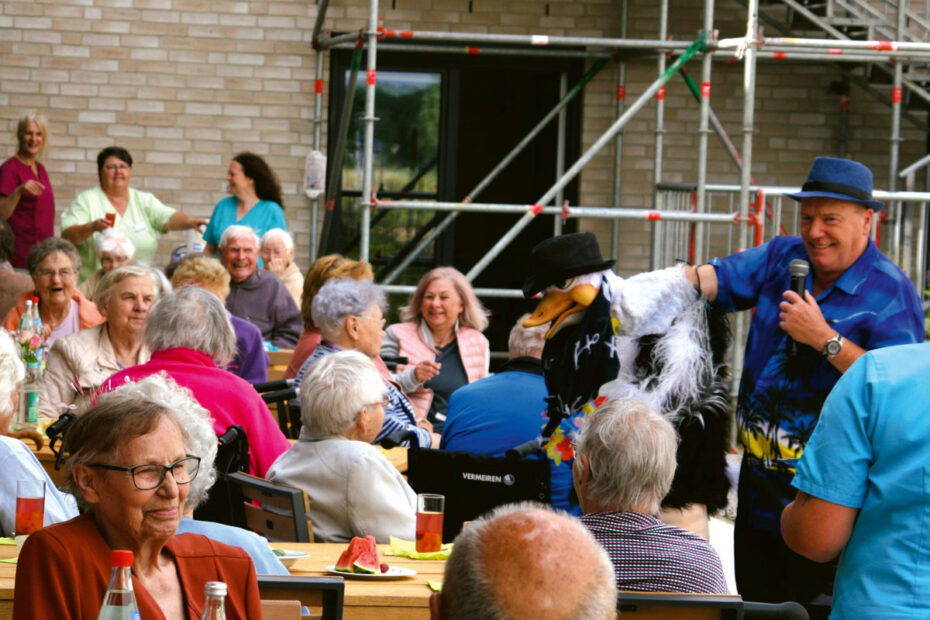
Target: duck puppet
650 337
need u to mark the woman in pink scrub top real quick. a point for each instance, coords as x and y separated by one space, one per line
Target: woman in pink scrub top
26 199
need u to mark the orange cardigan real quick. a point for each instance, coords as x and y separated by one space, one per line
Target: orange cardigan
88 316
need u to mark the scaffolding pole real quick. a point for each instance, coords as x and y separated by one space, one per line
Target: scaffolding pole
508 158
572 172
317 146
470 50
655 233
703 134
896 208
618 140
366 202
537 40
560 152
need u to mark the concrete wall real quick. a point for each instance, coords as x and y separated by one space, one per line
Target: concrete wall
185 84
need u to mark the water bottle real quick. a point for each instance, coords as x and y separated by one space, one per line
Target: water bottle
119 603
314 174
25 321
215 606
28 414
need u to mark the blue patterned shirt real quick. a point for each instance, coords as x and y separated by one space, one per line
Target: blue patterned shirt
873 304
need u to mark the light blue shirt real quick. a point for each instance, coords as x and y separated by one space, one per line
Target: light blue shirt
261 218
871 451
266 562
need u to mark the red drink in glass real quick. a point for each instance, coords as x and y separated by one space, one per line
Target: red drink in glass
111 218
30 513
429 531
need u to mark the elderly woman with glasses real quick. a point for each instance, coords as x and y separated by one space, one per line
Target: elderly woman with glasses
353 490
79 363
131 472
54 265
140 215
349 314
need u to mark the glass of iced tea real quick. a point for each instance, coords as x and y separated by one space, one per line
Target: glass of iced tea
111 218
30 506
430 508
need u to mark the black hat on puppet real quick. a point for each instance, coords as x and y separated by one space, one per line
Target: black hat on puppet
557 259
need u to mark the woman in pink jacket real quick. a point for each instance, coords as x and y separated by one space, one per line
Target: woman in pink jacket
441 337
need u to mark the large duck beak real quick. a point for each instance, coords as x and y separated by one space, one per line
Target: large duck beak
556 306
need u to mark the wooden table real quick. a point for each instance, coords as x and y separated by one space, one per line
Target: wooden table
376 600
47 458
373 600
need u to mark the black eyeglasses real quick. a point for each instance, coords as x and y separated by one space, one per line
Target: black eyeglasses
149 476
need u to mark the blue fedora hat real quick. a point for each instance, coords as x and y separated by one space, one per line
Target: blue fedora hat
844 179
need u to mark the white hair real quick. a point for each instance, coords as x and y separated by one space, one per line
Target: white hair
192 318
334 391
114 241
12 371
279 233
238 232
113 277
343 297
526 341
631 451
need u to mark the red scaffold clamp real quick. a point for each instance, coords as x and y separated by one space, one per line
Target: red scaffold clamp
565 210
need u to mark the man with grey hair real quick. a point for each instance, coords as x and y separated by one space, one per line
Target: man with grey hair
526 561
188 334
624 465
494 414
257 295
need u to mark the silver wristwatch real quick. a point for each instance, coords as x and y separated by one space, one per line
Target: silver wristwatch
833 346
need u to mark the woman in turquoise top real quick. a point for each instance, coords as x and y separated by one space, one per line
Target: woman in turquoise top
256 201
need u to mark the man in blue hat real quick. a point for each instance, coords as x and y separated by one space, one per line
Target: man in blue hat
855 300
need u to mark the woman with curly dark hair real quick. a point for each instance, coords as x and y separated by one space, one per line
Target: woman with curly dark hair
256 200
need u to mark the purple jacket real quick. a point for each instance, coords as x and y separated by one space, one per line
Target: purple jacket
251 361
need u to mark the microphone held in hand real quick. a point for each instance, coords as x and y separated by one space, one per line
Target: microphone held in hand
798 270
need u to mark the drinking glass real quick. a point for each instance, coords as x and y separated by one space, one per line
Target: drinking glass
30 506
430 508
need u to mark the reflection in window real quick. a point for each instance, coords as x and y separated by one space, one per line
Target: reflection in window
405 160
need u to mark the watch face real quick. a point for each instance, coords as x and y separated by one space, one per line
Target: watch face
833 347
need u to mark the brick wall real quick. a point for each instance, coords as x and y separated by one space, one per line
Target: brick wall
184 85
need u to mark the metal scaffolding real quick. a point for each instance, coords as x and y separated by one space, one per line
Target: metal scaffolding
908 210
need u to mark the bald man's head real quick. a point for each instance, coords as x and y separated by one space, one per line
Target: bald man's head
527 561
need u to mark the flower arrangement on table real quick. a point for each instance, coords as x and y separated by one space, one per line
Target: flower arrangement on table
30 346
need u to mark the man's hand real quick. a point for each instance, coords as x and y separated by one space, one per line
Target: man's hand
426 370
803 321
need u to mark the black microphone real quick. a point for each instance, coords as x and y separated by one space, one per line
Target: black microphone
798 270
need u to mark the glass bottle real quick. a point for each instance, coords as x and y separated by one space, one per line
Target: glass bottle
214 608
36 321
119 603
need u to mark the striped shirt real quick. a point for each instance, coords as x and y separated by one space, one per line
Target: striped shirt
652 556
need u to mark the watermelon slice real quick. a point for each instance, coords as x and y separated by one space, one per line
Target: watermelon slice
367 563
352 560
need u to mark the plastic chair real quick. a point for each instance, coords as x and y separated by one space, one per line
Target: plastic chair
325 592
473 485
276 511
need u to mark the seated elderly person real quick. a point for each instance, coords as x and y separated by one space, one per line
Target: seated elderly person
54 265
17 461
131 472
323 269
277 251
353 490
114 249
188 334
79 363
624 465
201 440
526 561
349 315
251 360
257 295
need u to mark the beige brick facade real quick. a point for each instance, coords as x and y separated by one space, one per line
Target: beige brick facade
186 84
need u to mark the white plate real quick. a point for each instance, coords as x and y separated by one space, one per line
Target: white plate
394 572
290 557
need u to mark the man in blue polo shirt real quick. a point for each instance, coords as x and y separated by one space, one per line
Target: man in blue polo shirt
855 300
863 486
